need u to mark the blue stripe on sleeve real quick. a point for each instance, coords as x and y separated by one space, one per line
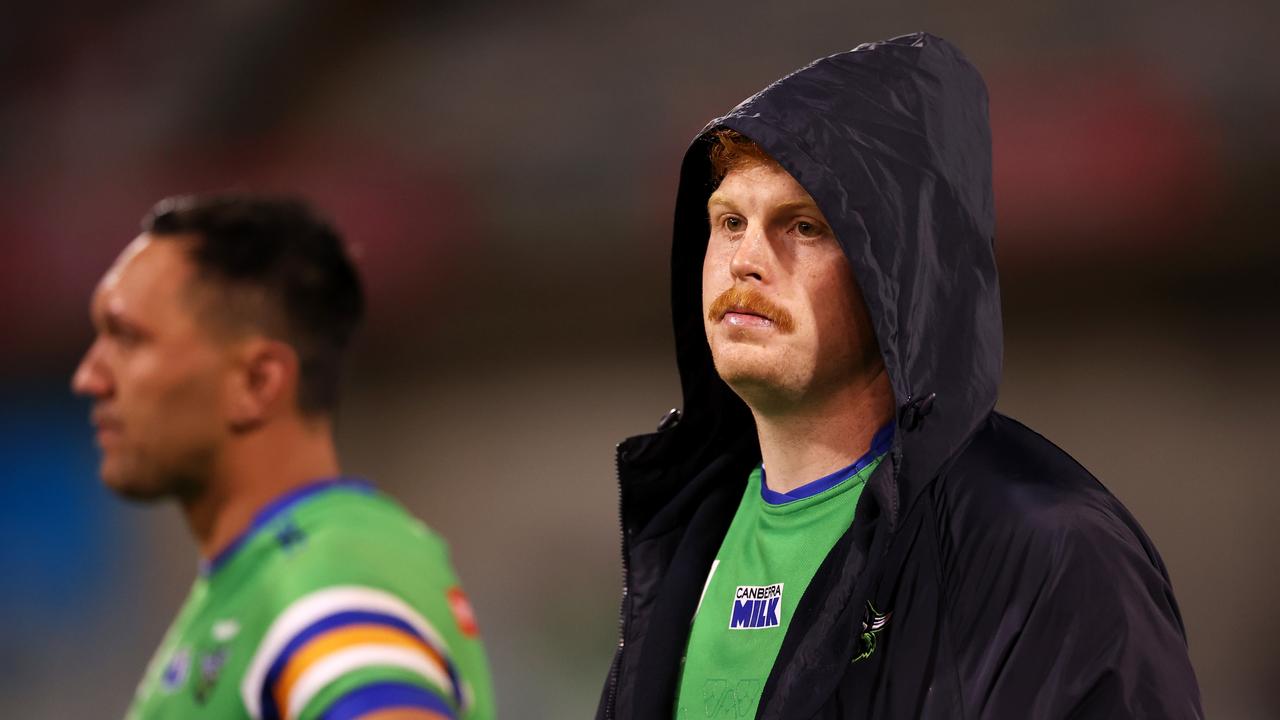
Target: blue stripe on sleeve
353 617
384 696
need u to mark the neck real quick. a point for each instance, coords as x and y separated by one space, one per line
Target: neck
256 468
802 443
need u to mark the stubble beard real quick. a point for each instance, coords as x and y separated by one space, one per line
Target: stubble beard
772 381
764 380
144 480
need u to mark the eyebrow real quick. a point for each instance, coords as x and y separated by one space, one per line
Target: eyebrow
113 320
798 205
718 199
792 206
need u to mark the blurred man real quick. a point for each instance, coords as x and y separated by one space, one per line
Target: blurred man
214 374
839 525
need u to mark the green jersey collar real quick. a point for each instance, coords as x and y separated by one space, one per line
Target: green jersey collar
277 507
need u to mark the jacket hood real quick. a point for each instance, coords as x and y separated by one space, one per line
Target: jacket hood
891 140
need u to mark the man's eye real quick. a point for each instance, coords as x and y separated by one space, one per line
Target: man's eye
123 335
733 224
123 338
808 229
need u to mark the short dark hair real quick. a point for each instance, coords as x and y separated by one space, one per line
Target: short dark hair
278 247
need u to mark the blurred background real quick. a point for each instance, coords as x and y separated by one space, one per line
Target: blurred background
507 172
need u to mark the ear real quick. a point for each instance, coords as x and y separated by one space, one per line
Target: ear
265 385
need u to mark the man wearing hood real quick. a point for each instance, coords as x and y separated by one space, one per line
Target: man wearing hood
839 524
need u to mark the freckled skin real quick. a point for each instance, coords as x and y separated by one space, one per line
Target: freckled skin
768 235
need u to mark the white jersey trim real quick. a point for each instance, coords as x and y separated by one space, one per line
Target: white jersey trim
318 676
307 610
714 564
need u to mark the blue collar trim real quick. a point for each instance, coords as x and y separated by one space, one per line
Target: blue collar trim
275 508
880 444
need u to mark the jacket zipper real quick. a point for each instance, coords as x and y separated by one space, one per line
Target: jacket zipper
625 606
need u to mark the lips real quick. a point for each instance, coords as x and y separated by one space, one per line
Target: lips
745 307
745 318
106 424
744 310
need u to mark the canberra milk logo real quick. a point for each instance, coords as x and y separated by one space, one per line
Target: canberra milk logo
756 607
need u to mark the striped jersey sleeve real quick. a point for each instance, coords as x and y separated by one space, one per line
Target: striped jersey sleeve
369 645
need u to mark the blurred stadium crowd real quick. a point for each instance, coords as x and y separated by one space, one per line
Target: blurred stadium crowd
506 173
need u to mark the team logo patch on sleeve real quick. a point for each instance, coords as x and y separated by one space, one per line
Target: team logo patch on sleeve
756 607
175 672
462 612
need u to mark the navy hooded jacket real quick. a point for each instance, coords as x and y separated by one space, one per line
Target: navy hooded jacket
1015 585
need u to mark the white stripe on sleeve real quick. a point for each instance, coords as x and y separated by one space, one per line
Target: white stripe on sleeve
334 666
309 609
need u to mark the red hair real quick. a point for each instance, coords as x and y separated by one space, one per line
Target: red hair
731 150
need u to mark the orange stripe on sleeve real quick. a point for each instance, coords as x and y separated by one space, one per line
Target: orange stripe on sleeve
341 638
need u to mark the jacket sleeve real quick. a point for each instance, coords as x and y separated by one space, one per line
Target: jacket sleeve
1065 611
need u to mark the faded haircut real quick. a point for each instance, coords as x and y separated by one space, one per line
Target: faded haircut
280 252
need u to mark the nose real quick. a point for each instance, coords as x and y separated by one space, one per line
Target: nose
751 257
92 378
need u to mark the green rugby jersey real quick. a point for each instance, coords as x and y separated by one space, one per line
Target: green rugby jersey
336 602
767 558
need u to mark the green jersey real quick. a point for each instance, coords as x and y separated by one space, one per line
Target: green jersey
335 603
766 561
